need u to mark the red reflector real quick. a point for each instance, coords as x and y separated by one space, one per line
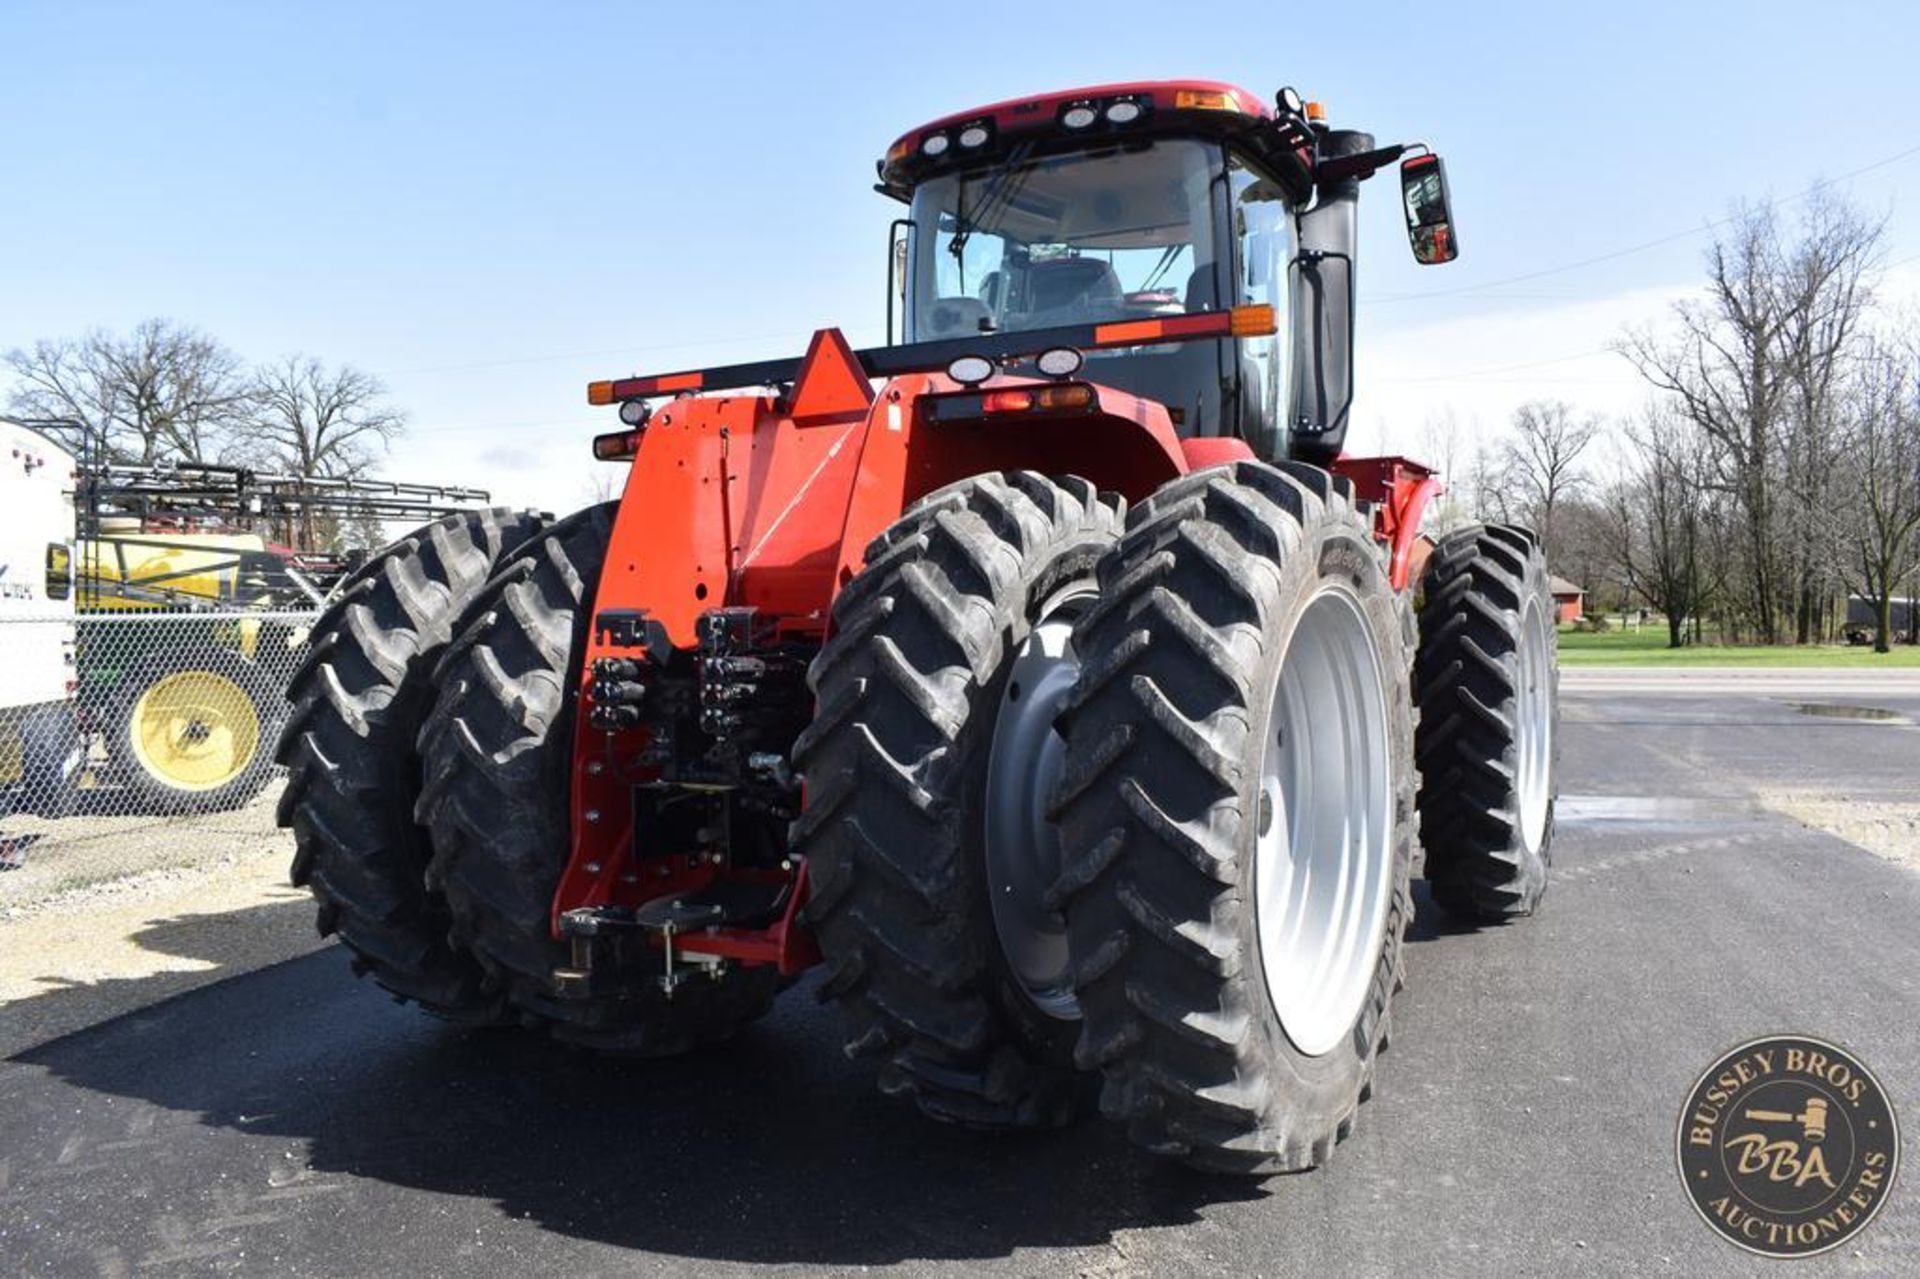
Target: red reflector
616 446
635 388
1206 324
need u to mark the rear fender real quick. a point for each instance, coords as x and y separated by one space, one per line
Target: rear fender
1128 446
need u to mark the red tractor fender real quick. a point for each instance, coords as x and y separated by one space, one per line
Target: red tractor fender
1127 445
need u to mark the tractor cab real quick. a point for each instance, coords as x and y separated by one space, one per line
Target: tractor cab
1168 227
1136 202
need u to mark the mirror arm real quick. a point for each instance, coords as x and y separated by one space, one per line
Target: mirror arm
893 240
1364 164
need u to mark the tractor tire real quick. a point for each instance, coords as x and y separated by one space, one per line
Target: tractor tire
926 833
52 751
1488 681
497 753
1238 806
358 698
193 731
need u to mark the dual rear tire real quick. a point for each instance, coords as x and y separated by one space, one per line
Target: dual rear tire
1489 708
1230 808
1239 801
1208 881
926 830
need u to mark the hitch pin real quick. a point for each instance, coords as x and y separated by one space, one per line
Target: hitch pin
667 982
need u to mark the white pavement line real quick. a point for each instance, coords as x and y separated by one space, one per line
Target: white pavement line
1903 680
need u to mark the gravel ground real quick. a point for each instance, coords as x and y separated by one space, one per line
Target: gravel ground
1890 829
95 851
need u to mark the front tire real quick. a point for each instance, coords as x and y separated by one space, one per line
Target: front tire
1238 806
926 832
1488 682
51 753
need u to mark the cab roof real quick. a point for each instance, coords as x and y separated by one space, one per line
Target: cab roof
1152 108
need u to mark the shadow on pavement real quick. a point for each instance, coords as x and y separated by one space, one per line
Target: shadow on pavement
220 944
772 1149
1429 922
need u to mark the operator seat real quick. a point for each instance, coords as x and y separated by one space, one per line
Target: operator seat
955 317
1071 291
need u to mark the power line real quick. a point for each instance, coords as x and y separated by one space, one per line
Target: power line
1617 254
1490 372
1471 374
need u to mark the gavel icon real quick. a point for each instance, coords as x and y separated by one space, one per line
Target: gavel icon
1812 1120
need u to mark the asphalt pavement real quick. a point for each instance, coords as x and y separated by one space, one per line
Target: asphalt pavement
292 1121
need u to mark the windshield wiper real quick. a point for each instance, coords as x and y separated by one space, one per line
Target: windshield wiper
1000 192
1160 267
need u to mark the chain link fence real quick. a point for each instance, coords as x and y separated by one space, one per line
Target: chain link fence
138 741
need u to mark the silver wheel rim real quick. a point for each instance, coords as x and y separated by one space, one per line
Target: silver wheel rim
1533 728
1022 845
1323 856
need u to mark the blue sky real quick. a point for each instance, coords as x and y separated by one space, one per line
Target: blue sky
490 204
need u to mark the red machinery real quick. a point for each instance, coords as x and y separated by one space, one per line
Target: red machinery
865 666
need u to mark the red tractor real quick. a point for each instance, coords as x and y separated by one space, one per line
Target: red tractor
1050 677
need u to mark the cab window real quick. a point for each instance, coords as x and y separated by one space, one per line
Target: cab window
1263 235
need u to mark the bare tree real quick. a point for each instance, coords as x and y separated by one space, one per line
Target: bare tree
1583 552
1753 366
603 484
321 423
1659 519
1884 469
165 391
1487 483
310 420
1443 446
1825 277
1726 370
1542 461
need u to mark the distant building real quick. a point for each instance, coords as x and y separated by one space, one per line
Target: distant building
1860 612
1569 601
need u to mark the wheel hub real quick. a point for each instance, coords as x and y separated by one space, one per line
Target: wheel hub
195 730
1022 844
1323 854
1533 728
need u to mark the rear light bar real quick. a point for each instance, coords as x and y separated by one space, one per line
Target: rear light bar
1241 322
1257 320
1036 398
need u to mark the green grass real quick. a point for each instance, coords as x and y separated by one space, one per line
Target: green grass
1648 647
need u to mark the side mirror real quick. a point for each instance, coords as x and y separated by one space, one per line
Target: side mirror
1423 188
